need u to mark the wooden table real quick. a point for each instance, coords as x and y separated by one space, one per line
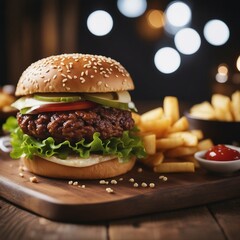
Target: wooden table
217 220
220 220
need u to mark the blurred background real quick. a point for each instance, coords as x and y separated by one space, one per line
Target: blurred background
189 49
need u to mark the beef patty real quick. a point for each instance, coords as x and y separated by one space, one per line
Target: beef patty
75 125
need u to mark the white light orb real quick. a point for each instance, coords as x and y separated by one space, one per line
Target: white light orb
216 32
99 23
178 14
132 8
167 60
187 41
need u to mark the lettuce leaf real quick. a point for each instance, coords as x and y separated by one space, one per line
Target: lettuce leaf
124 147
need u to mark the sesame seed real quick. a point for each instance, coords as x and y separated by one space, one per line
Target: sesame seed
144 184
92 76
75 183
50 87
135 184
63 75
21 174
109 190
64 80
70 182
54 76
33 179
161 177
140 170
62 63
165 179
75 77
67 66
106 85
86 72
70 77
83 186
151 185
105 75
120 179
82 74
113 181
68 88
82 79
99 83
64 85
102 182
131 180
68 71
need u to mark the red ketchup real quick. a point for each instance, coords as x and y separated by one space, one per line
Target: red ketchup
221 152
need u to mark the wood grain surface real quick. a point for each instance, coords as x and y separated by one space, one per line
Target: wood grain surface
57 200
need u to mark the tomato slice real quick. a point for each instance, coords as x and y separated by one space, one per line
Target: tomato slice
56 107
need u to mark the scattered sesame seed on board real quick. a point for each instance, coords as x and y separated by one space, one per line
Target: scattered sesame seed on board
33 179
21 174
135 185
109 190
131 180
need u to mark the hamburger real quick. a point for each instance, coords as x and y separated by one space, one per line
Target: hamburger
74 118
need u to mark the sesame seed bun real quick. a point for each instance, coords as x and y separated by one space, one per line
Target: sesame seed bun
102 170
74 73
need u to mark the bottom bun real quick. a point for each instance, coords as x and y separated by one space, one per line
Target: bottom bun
105 169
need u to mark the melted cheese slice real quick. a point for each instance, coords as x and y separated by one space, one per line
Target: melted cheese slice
74 161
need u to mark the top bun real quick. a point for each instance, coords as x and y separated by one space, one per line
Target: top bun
74 73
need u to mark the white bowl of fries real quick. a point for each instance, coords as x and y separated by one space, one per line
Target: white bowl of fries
224 167
218 119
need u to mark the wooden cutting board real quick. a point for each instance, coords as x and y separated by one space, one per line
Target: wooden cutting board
59 201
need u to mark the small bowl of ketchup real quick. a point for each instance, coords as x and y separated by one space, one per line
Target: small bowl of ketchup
220 158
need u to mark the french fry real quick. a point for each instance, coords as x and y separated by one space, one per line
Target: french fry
235 105
5 100
168 143
198 133
149 143
137 118
153 160
171 108
189 139
205 144
222 107
180 125
203 110
180 151
159 126
153 114
172 167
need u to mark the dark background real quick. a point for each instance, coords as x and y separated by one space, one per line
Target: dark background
33 29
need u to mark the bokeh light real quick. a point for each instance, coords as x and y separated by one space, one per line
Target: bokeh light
99 23
238 64
132 8
155 18
216 32
178 15
187 41
167 60
222 73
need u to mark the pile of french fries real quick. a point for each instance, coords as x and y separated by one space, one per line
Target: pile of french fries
169 144
221 108
5 101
